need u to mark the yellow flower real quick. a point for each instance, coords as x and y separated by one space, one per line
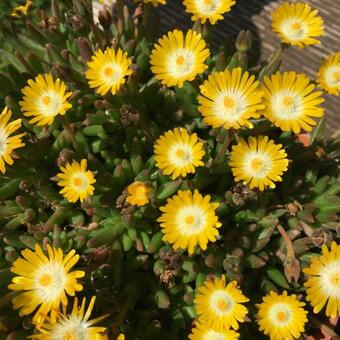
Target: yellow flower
153 2
138 193
72 326
21 10
121 336
189 220
76 180
297 24
177 153
44 281
107 70
230 98
329 74
323 285
282 317
219 305
177 58
259 163
211 10
7 142
44 99
291 102
203 332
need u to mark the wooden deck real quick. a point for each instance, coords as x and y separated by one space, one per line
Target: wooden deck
255 15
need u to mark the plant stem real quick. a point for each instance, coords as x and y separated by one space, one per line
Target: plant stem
120 21
224 146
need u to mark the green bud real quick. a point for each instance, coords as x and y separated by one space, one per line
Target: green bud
277 277
162 299
155 243
127 242
167 190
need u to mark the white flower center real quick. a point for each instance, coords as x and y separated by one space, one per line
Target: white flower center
181 154
50 103
280 314
208 7
230 105
294 29
111 73
181 62
221 303
287 105
258 164
50 280
190 219
72 328
213 335
3 141
79 181
330 279
332 75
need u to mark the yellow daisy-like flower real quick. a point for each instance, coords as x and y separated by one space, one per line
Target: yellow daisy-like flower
45 281
21 10
203 332
259 163
211 10
297 24
177 58
219 304
138 193
282 317
329 74
291 102
177 153
76 180
8 143
323 285
189 220
153 2
230 98
44 99
107 70
72 326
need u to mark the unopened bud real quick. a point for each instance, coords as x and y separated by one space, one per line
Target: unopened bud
244 41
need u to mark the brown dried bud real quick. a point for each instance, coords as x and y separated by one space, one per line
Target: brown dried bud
105 18
65 156
129 116
84 49
62 71
100 255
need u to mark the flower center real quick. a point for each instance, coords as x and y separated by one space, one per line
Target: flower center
257 164
208 2
69 336
229 102
335 280
109 71
77 181
46 100
46 280
293 29
223 305
282 316
189 219
336 76
296 26
288 102
180 60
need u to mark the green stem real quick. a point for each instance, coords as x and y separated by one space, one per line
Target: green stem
224 146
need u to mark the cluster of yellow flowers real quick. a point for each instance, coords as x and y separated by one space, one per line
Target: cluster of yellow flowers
45 282
227 99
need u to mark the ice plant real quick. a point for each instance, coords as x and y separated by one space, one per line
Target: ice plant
189 220
297 24
323 283
138 193
22 9
328 77
107 70
8 143
229 99
44 99
282 317
44 281
179 57
259 162
76 181
208 10
219 304
291 102
178 153
76 325
203 332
